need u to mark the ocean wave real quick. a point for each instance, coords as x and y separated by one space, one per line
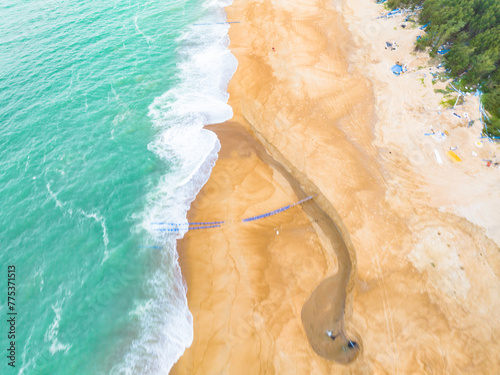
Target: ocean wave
179 115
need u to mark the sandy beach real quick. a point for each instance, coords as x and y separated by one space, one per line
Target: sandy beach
247 282
419 275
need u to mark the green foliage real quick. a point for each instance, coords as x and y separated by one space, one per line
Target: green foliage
448 103
472 29
441 91
492 100
493 127
458 59
403 3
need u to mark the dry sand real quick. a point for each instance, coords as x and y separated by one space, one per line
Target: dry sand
423 237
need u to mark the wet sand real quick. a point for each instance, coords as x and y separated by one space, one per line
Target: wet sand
313 85
248 282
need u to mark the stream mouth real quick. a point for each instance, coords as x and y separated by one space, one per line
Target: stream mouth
323 319
323 312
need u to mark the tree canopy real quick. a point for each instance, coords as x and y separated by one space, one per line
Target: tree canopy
472 28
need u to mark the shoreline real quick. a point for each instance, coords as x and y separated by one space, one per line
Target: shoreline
425 255
244 244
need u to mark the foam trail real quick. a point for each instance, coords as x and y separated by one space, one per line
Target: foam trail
54 197
51 334
105 239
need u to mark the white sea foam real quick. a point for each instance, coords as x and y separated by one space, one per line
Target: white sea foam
51 334
179 115
102 221
94 215
165 322
54 197
27 363
148 38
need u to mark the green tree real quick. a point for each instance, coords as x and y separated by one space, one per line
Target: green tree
472 28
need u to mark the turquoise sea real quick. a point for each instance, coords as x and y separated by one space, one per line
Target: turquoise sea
102 105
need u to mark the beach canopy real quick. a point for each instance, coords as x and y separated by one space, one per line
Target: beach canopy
397 69
393 13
